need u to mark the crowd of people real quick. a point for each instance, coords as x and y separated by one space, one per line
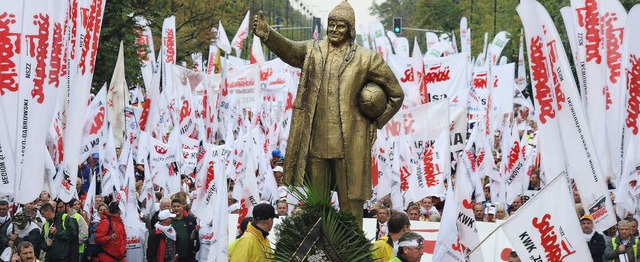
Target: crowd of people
52 230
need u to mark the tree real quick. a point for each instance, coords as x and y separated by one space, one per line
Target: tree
194 21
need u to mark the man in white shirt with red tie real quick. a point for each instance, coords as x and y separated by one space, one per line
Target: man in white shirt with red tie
382 216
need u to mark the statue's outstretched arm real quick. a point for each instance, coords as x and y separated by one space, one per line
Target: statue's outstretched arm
292 53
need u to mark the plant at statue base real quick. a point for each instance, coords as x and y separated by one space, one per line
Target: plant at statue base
341 233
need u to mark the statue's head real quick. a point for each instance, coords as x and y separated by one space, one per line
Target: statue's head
341 26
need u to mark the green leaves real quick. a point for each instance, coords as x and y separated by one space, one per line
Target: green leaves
341 231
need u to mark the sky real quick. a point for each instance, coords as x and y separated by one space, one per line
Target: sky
323 7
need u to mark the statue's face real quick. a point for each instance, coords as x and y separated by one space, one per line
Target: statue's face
337 32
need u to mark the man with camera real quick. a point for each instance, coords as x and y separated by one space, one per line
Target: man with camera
60 235
623 247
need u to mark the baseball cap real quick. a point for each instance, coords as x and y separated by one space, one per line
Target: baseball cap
95 155
276 153
264 211
491 211
586 217
278 169
164 214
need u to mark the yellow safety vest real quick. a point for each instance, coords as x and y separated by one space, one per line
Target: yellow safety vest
614 244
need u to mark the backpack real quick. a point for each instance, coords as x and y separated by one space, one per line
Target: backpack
94 249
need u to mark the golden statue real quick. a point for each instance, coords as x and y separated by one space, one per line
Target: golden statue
332 132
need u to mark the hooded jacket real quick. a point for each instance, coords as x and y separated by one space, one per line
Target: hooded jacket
252 246
114 249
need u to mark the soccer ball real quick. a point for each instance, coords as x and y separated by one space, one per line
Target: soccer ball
372 101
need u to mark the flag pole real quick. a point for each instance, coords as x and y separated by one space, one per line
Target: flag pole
563 174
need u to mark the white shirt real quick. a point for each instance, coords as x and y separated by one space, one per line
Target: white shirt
136 241
205 235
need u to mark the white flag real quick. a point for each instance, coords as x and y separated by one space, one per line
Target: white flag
12 26
467 194
257 55
207 182
615 19
546 228
110 171
591 67
241 35
169 40
223 40
579 148
448 247
626 196
81 71
147 60
465 38
93 132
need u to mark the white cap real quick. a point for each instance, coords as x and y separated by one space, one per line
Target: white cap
164 214
491 211
278 169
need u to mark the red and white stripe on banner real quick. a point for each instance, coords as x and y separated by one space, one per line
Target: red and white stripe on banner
209 103
257 55
381 175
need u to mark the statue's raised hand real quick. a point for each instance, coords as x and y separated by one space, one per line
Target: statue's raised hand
260 26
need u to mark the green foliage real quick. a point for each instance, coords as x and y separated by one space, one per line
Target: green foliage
194 21
341 228
483 16
116 18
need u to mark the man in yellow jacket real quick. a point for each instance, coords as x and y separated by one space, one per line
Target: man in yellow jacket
253 245
386 247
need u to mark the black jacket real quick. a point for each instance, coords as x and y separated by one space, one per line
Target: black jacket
597 245
34 237
65 240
